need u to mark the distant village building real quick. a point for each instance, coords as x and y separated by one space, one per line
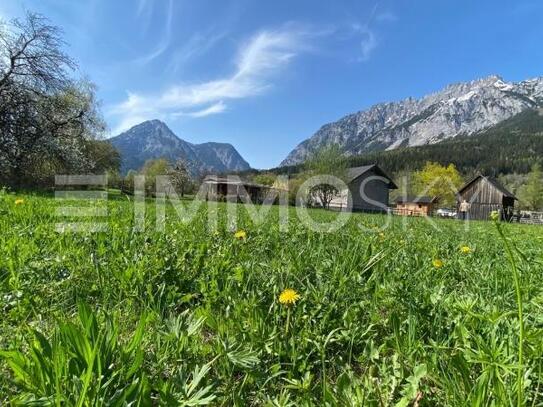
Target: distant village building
232 189
415 206
483 195
369 188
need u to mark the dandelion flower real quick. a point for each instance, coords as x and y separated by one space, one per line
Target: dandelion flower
288 297
495 215
465 249
19 201
437 263
240 234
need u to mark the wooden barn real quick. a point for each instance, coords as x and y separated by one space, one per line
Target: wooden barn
415 206
375 196
231 189
483 195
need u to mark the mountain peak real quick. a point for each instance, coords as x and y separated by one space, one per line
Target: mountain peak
459 109
150 123
153 139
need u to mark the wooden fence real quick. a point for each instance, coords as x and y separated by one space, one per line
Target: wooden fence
532 218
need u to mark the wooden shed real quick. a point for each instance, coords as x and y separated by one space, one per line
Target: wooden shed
369 188
485 195
415 206
232 189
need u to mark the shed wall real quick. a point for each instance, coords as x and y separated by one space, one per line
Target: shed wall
374 190
485 198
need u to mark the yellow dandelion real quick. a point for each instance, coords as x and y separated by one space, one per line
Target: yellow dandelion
495 215
465 249
437 263
288 297
19 201
240 234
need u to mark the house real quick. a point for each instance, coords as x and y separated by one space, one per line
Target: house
368 190
415 206
483 196
231 189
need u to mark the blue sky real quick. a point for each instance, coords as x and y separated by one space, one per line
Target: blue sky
266 75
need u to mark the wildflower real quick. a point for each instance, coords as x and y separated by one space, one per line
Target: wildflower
495 215
437 263
288 297
240 235
19 201
465 249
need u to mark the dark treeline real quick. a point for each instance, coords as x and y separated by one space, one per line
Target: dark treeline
49 119
510 147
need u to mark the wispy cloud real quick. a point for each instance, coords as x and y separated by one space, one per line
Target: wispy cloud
367 32
218 107
263 55
368 41
145 6
198 44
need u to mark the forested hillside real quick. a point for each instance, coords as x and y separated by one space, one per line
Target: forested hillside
513 146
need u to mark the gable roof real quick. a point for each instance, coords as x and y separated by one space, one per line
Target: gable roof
355 172
231 180
417 199
494 182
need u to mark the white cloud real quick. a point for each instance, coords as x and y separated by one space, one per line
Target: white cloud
367 44
198 44
366 40
143 5
218 107
257 61
164 43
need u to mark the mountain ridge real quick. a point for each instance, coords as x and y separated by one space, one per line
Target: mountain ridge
510 147
462 108
153 139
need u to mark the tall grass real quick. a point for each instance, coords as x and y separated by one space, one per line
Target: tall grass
192 317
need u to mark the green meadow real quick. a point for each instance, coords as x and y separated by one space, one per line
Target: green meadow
388 312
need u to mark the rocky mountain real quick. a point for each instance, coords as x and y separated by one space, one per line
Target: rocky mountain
459 109
154 139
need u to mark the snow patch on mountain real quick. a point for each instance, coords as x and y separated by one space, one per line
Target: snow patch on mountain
458 109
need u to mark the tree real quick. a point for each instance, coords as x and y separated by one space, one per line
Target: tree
294 185
103 157
127 184
47 119
439 181
31 55
531 193
180 177
152 169
325 162
265 178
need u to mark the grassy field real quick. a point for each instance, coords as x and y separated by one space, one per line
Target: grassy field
405 315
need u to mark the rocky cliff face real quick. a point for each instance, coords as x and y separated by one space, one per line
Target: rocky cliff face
153 139
459 109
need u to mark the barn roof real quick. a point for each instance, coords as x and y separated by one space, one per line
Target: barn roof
494 182
231 180
417 199
355 172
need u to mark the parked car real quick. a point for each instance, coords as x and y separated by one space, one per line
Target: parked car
446 213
